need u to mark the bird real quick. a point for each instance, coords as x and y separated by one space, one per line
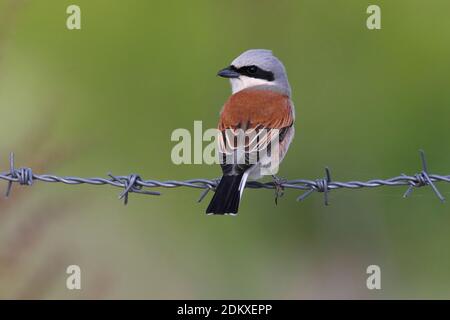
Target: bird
261 108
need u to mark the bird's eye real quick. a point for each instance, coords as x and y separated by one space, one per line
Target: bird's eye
252 69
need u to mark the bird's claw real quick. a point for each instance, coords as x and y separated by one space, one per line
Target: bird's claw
279 189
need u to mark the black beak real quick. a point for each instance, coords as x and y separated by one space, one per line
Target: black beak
228 72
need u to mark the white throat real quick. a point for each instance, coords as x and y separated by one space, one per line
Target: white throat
244 82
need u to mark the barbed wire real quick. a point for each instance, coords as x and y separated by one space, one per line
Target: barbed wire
133 183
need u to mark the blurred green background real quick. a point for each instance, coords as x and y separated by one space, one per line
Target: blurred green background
106 98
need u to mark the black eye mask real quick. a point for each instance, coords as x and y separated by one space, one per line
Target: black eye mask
254 72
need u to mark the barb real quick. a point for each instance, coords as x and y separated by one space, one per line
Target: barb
322 185
133 183
130 184
423 179
23 176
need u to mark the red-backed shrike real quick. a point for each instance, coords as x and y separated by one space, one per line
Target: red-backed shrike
260 107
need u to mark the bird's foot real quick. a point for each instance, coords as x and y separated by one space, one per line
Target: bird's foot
279 189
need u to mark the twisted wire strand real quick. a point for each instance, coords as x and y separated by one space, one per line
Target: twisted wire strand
133 183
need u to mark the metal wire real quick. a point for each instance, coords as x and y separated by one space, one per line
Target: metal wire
133 183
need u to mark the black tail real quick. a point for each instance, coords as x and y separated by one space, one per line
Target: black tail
226 198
